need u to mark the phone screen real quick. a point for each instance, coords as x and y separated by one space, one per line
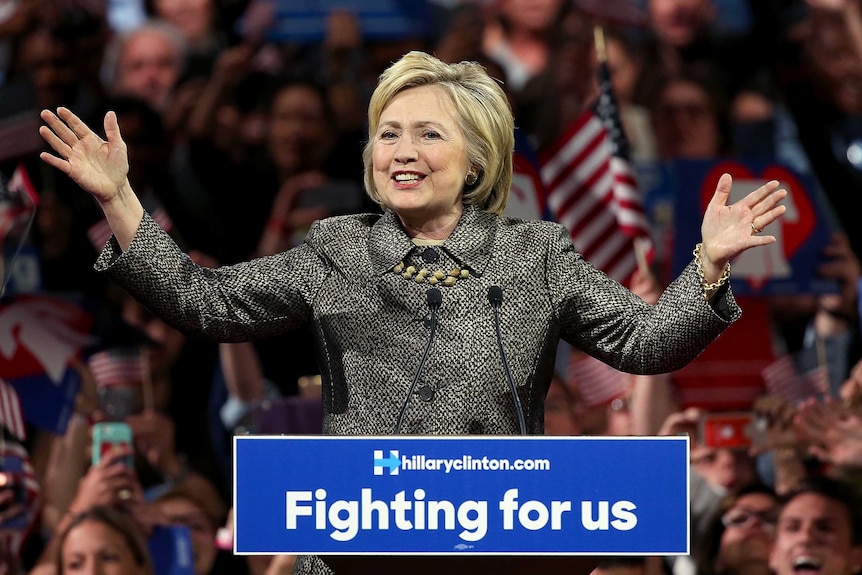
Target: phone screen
732 430
107 435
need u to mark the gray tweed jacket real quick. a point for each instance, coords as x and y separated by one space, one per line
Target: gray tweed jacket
370 321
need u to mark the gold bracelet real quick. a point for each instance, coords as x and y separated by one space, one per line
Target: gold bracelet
709 287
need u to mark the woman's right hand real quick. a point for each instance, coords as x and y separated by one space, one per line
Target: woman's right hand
100 167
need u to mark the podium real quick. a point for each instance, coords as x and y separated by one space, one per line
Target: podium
499 565
506 505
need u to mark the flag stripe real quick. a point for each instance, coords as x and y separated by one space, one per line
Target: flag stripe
597 382
11 416
117 366
782 379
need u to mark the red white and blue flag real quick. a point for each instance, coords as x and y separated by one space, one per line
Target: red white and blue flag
18 201
41 338
783 379
11 417
592 189
118 366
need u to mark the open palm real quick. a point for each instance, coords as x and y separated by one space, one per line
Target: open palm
98 166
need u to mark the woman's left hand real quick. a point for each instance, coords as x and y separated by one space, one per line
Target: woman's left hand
730 229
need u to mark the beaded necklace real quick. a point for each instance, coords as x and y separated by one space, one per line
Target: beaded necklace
433 278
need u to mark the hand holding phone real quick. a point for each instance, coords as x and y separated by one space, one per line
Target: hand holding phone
110 479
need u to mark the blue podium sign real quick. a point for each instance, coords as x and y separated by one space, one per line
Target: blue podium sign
461 495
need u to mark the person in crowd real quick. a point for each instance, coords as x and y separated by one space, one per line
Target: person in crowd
110 484
103 540
818 74
438 160
200 23
146 62
830 430
626 66
516 37
183 505
170 426
738 538
689 116
714 473
818 530
822 329
552 100
683 33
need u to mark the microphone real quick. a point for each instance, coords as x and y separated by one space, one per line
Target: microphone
495 297
433 298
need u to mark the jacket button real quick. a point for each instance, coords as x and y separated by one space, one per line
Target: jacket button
426 393
429 255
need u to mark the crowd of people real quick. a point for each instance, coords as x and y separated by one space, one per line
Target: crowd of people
240 137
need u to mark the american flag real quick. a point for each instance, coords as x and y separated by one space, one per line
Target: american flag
18 201
597 382
783 380
117 366
11 416
592 190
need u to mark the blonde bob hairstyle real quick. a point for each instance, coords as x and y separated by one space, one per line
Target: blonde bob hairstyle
483 113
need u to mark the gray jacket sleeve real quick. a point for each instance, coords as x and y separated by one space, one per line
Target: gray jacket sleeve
250 300
606 320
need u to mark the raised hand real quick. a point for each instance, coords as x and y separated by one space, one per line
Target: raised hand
730 229
110 482
834 433
154 435
98 166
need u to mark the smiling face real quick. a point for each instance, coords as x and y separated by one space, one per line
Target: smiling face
814 537
419 160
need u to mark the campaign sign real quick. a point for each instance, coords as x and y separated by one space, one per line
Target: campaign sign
785 267
461 495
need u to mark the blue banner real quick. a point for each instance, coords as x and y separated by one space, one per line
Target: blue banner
468 495
304 21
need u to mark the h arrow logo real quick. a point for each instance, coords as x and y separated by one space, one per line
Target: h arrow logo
393 462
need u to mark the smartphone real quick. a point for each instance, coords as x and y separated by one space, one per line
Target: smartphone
116 402
107 435
12 477
732 430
